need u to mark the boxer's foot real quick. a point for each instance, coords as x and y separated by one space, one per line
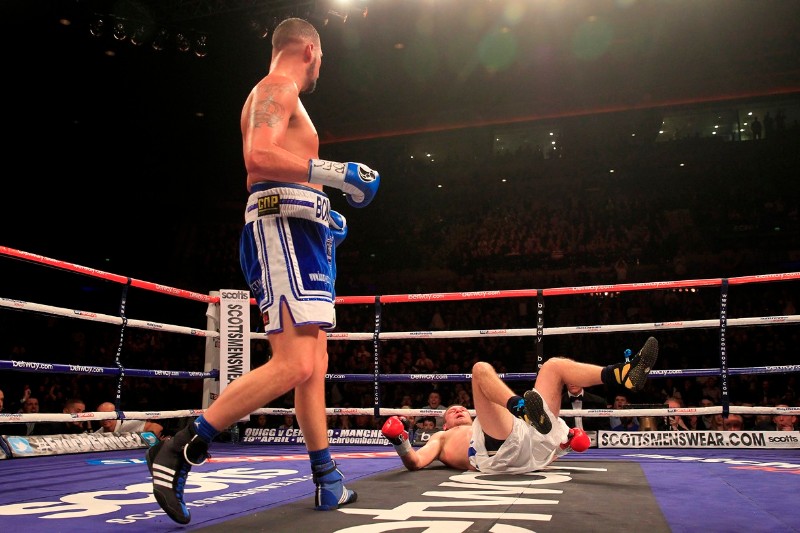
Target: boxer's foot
535 415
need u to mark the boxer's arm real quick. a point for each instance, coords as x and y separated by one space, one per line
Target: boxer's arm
419 458
265 122
395 429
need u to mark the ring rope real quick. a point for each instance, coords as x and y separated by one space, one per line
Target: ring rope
590 413
398 298
21 305
93 272
377 335
399 335
55 368
89 370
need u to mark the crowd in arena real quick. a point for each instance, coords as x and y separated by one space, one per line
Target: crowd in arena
688 209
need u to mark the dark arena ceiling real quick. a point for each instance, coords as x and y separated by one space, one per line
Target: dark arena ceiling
399 66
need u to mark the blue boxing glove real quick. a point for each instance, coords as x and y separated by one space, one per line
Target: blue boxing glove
338 225
357 181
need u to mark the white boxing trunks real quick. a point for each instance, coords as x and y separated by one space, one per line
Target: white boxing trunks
525 449
287 254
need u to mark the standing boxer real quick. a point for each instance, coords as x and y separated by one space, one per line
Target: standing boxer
511 434
287 254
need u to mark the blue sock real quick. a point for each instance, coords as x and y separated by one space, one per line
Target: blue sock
331 492
204 430
319 457
516 404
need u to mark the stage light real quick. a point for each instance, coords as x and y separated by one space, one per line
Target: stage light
201 46
137 39
141 32
119 31
337 14
182 42
161 40
97 27
260 29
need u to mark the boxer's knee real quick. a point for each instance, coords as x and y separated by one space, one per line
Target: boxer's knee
482 369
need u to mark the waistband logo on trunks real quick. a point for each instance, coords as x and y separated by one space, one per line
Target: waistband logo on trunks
269 205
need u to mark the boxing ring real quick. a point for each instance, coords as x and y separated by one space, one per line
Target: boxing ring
260 480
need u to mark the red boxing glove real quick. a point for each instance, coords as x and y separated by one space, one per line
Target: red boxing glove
578 441
394 429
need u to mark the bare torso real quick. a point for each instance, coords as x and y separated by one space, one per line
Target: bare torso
279 137
455 447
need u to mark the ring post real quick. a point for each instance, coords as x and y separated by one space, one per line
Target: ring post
212 362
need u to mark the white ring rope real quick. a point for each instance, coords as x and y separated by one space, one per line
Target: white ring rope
397 335
503 332
99 317
590 413
564 330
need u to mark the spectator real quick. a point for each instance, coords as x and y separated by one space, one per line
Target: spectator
437 322
717 422
711 389
734 422
19 406
51 398
707 420
429 423
413 423
29 406
258 422
669 390
424 363
769 126
690 392
344 422
621 269
749 419
764 423
423 434
625 423
575 397
784 422
780 123
465 399
126 426
674 422
694 423
72 406
435 402
755 128
288 422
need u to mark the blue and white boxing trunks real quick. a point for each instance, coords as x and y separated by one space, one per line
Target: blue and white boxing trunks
287 254
525 449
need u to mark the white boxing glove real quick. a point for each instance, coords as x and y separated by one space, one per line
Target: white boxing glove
338 225
356 180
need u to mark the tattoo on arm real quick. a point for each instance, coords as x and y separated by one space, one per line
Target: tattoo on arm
266 109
